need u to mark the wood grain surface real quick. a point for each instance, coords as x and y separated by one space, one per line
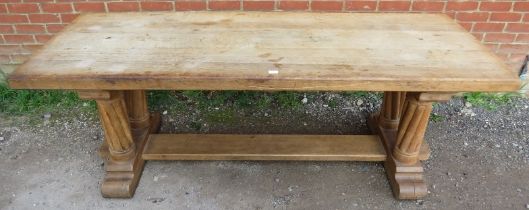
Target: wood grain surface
264 147
265 51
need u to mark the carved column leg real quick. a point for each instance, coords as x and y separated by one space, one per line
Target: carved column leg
391 109
139 116
142 122
401 126
403 169
122 173
115 122
411 130
387 120
126 130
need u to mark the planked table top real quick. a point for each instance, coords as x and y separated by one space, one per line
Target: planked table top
265 51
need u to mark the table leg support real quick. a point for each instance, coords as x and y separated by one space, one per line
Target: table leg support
136 101
127 124
401 125
391 109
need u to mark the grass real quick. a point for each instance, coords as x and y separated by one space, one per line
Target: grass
164 99
291 100
489 101
221 116
219 106
18 102
265 101
357 94
333 103
242 99
436 118
215 99
195 125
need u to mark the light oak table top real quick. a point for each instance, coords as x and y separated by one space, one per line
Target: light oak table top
265 51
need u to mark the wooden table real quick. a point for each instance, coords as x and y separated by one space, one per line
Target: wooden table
416 59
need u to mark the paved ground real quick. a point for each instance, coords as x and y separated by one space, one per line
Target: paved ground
480 160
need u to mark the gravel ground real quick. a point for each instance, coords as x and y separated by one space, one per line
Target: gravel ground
480 160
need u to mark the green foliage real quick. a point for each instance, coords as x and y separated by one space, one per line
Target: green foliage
30 101
221 116
16 102
3 78
195 125
159 96
245 99
197 97
356 94
333 103
264 101
24 101
489 101
436 118
242 99
164 99
206 99
250 99
288 99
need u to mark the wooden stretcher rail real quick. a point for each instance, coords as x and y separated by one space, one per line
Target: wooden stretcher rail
267 147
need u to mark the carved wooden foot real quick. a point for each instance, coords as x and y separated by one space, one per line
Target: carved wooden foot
401 125
121 178
406 181
127 125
